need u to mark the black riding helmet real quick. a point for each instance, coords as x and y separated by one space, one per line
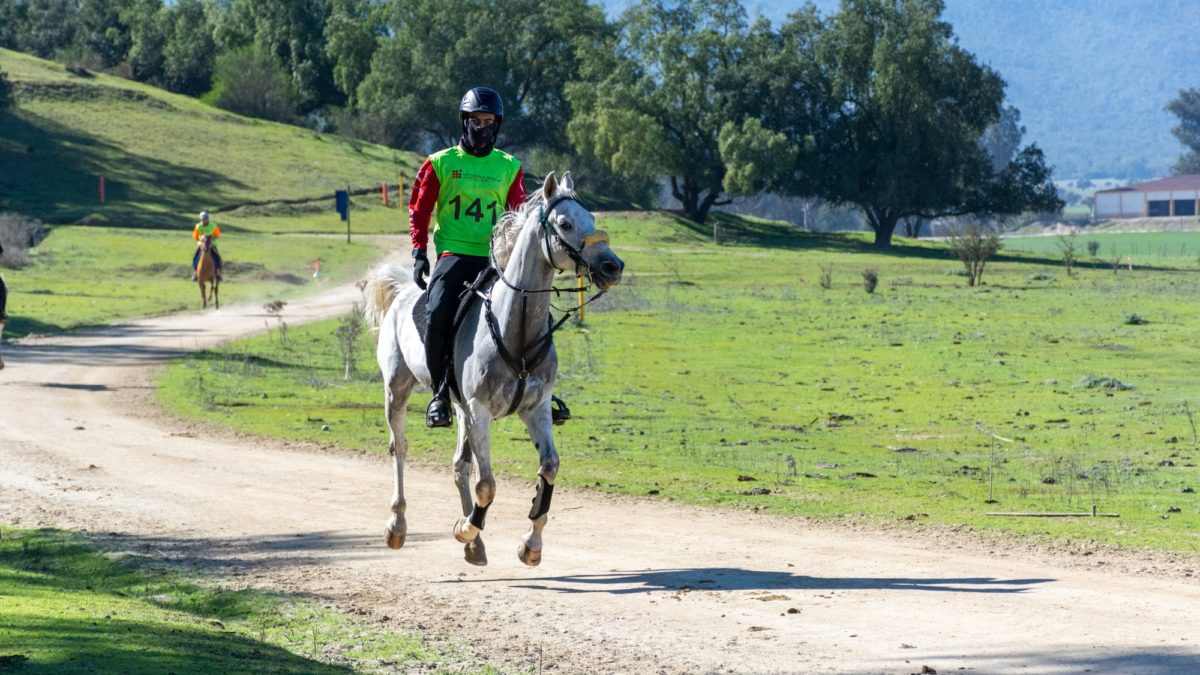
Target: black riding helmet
481 99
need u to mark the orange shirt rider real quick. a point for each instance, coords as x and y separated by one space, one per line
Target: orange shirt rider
202 228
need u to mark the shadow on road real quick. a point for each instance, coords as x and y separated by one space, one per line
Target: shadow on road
735 579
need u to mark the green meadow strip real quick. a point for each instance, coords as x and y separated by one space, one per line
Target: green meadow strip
759 374
68 606
85 276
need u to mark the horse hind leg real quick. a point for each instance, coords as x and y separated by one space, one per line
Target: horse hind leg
474 551
396 392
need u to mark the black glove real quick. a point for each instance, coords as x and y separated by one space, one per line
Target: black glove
420 267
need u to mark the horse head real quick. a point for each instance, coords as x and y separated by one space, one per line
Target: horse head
206 242
572 238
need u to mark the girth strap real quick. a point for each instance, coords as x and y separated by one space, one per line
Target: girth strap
523 366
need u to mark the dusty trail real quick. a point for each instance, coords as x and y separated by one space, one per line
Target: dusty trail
626 585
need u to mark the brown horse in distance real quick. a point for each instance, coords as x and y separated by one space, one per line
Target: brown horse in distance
206 273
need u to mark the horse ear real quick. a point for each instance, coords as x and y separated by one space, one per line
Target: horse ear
549 187
568 183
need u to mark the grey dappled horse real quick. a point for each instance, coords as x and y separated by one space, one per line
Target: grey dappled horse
504 359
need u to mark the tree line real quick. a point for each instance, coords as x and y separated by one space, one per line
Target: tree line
874 107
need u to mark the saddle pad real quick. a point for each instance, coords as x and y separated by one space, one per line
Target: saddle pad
420 310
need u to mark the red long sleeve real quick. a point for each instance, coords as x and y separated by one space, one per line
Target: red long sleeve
421 203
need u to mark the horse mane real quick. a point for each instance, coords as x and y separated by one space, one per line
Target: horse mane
508 228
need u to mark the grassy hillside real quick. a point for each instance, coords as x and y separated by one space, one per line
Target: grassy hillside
730 374
164 156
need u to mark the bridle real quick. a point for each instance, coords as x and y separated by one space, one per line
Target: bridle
520 363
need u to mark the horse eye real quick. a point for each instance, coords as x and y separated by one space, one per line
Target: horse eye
565 225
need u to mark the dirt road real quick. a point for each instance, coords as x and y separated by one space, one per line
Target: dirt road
626 586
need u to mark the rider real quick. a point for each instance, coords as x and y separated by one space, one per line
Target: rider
3 293
202 228
469 186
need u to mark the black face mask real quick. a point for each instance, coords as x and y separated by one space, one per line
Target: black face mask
479 141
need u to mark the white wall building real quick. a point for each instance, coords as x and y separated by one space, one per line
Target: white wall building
1174 196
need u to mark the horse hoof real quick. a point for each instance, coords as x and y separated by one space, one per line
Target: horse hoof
394 539
529 556
475 553
464 531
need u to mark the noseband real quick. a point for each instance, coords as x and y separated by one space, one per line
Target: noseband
575 254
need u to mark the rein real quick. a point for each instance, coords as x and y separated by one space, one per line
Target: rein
520 363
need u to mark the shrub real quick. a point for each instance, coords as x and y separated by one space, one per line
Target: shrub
17 235
870 279
1068 248
826 279
1093 247
1135 320
974 245
1041 276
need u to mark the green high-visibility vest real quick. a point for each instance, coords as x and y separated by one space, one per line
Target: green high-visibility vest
471 199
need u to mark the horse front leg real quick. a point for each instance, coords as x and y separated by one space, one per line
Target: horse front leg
476 420
203 297
473 551
216 295
539 423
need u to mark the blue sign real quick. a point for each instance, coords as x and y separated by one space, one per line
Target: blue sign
342 203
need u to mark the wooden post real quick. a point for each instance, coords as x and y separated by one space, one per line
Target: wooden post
384 191
347 214
101 189
581 302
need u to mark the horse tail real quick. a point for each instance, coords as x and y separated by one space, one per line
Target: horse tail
383 285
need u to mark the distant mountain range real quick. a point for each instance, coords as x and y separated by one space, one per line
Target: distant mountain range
1090 77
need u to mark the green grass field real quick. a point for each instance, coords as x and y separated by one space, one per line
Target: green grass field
86 276
72 607
728 375
1154 249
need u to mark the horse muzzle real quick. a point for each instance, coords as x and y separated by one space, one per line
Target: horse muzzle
606 270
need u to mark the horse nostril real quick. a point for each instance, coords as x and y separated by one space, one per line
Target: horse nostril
611 268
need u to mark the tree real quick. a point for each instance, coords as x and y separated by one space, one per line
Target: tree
1187 108
654 97
149 28
103 33
1002 138
524 49
255 84
899 111
351 37
293 32
188 54
48 29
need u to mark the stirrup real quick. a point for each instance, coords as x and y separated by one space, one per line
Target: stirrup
559 412
438 413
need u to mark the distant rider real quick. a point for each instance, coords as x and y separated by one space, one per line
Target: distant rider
202 228
468 186
3 293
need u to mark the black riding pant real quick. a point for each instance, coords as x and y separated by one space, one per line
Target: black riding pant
450 277
3 298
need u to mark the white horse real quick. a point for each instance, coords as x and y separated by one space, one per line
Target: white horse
504 357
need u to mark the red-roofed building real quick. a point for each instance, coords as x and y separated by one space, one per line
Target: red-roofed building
1174 196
